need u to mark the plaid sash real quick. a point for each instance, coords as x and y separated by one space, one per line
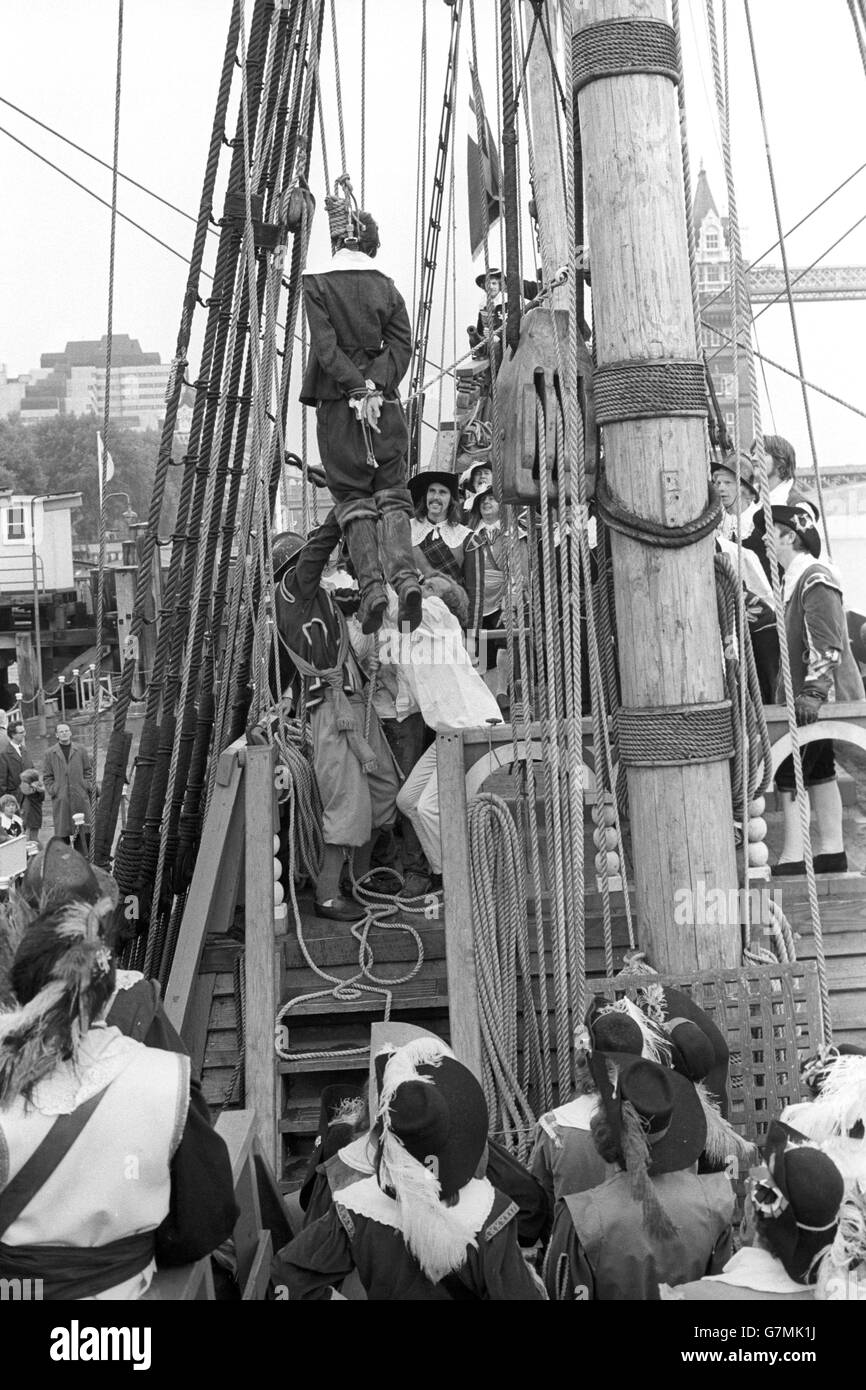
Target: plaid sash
441 557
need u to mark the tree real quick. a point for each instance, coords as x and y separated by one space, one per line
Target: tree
60 455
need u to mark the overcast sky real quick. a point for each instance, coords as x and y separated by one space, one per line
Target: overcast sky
57 61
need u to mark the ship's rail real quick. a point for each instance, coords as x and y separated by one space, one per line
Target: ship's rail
251 1239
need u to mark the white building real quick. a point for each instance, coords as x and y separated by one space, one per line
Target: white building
41 526
72 382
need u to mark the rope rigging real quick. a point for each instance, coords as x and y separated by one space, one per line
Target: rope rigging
217 657
788 286
431 245
106 420
738 278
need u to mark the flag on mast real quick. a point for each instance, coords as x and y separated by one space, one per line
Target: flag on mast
102 453
485 181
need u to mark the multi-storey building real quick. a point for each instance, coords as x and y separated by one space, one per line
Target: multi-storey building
717 312
72 382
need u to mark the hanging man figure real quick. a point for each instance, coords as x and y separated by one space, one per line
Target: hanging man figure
360 346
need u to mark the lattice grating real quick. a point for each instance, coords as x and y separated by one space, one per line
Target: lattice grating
770 1016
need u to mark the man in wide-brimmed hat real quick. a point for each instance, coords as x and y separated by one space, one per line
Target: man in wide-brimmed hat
360 346
355 1157
565 1158
822 668
442 543
655 1220
424 1226
792 1211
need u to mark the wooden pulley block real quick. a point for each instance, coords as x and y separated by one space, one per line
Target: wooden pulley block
532 375
299 204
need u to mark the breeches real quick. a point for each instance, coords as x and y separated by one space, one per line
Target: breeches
354 802
343 450
418 800
819 766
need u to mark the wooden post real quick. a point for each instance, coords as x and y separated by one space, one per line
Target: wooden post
549 190
260 1063
681 816
26 661
459 938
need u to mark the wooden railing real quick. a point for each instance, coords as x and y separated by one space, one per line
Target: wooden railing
252 1241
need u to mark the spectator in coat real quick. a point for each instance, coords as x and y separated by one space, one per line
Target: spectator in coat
14 759
32 794
4 737
68 777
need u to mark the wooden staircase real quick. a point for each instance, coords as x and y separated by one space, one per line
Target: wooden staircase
438 994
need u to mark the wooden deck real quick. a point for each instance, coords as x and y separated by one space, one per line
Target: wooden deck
338 1025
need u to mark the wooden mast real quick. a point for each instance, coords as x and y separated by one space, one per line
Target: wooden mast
669 646
548 187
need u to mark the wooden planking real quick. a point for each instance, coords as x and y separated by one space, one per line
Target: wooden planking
212 894
262 955
339 948
199 1020
404 997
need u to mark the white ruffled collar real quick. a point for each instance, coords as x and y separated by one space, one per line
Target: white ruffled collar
753 1268
452 535
575 1115
366 1198
102 1054
356 1155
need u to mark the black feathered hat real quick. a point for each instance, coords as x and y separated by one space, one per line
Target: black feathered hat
342 1114
797 1199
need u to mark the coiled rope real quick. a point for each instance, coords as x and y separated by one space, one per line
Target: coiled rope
375 909
504 971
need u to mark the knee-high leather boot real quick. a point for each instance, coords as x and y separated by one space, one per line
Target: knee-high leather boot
357 519
395 509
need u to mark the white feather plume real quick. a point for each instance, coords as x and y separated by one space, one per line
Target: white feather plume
839 1105
656 1046
433 1232
723 1142
14 1022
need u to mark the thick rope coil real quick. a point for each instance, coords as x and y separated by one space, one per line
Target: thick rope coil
503 964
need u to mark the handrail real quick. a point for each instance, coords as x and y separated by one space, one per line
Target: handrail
251 1240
